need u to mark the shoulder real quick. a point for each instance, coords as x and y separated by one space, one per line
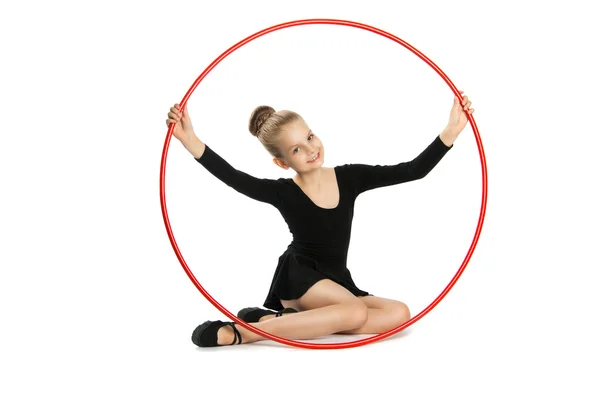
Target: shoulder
354 174
286 185
284 181
343 172
352 169
341 168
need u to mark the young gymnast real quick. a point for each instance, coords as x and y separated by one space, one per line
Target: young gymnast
312 287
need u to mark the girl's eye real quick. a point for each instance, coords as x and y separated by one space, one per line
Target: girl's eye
310 136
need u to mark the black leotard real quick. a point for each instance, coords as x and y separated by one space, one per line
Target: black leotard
321 236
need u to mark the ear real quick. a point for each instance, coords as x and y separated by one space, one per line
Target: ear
280 163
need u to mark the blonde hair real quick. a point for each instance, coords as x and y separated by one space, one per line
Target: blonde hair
266 125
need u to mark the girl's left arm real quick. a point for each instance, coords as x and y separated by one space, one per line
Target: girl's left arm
366 177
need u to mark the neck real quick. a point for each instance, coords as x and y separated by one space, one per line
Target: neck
311 178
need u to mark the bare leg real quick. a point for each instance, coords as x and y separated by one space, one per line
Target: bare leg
271 316
342 312
325 309
384 315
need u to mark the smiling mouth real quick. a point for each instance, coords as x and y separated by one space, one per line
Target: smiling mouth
316 158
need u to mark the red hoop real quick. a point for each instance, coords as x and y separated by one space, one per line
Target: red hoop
327 345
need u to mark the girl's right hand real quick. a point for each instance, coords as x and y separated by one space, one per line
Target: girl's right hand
183 129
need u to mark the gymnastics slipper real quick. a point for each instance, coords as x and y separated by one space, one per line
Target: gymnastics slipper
254 314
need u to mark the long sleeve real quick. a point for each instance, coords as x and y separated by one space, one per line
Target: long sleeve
366 177
264 190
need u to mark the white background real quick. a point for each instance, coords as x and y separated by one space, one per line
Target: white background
95 303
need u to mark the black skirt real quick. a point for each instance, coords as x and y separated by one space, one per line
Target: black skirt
297 272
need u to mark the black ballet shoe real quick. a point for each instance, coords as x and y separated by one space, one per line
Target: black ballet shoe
205 335
254 314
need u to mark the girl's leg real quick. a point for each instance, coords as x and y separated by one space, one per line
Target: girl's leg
383 315
326 308
270 316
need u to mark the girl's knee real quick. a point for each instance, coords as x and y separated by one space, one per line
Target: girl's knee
401 312
355 315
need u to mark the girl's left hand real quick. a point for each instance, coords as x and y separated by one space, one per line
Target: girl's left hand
458 116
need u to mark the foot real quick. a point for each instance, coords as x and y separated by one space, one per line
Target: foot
256 314
211 334
225 335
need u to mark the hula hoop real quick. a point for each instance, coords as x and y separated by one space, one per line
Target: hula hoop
324 345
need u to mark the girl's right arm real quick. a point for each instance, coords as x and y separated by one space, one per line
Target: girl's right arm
184 131
195 146
261 189
264 190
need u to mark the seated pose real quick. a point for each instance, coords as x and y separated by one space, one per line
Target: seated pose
312 288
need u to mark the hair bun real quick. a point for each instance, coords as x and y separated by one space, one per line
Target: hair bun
258 117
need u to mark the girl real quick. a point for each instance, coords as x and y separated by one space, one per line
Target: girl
312 289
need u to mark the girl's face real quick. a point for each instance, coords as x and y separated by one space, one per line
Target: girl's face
299 146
